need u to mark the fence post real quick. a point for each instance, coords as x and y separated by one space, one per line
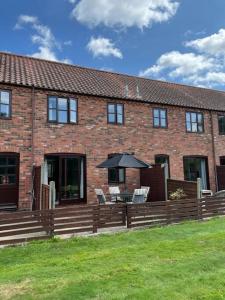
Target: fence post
168 212
96 212
51 232
52 194
198 188
128 216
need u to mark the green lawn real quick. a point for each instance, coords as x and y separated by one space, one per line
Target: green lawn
176 262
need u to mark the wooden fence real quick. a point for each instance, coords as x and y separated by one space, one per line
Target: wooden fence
19 227
189 187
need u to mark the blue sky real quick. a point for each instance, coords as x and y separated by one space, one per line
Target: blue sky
176 40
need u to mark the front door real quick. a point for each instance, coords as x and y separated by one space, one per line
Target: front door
68 172
9 179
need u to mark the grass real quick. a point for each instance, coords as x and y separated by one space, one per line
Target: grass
176 262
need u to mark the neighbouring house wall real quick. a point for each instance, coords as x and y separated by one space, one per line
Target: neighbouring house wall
15 136
95 138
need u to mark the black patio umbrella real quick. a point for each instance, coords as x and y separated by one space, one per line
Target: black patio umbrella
124 160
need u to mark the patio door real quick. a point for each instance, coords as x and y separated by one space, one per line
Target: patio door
9 179
68 172
197 167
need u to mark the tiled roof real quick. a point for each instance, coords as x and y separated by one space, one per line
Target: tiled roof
27 71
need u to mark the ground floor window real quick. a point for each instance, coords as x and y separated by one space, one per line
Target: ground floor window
222 160
196 167
163 159
116 175
68 172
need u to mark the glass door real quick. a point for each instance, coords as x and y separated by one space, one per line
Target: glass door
68 172
70 183
196 167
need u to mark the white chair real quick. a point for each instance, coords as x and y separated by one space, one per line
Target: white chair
206 193
101 196
139 196
147 190
114 190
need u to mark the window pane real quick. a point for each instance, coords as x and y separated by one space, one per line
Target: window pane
111 108
163 122
188 117
52 115
156 113
222 124
62 104
62 116
193 117
188 124
2 161
194 127
11 170
119 119
121 175
4 110
120 109
11 179
163 114
73 117
161 159
3 170
4 97
3 179
112 118
52 102
11 161
112 175
156 122
199 118
73 104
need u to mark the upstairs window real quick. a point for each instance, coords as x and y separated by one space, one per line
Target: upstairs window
5 105
160 118
115 113
194 122
62 110
221 121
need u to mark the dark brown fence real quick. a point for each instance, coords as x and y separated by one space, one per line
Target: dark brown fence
189 187
20 227
45 196
112 215
75 219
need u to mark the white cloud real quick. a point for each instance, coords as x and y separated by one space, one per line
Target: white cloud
179 64
213 44
43 37
124 13
204 66
103 47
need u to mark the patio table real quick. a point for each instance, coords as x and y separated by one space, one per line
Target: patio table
121 197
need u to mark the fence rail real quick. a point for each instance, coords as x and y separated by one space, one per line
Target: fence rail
19 227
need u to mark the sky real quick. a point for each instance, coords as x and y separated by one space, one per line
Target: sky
181 41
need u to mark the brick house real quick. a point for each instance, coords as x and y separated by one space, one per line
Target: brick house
75 117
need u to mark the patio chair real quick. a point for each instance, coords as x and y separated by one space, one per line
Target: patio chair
147 190
220 193
101 196
139 196
114 190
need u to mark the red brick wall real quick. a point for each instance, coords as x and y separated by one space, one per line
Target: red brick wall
95 138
